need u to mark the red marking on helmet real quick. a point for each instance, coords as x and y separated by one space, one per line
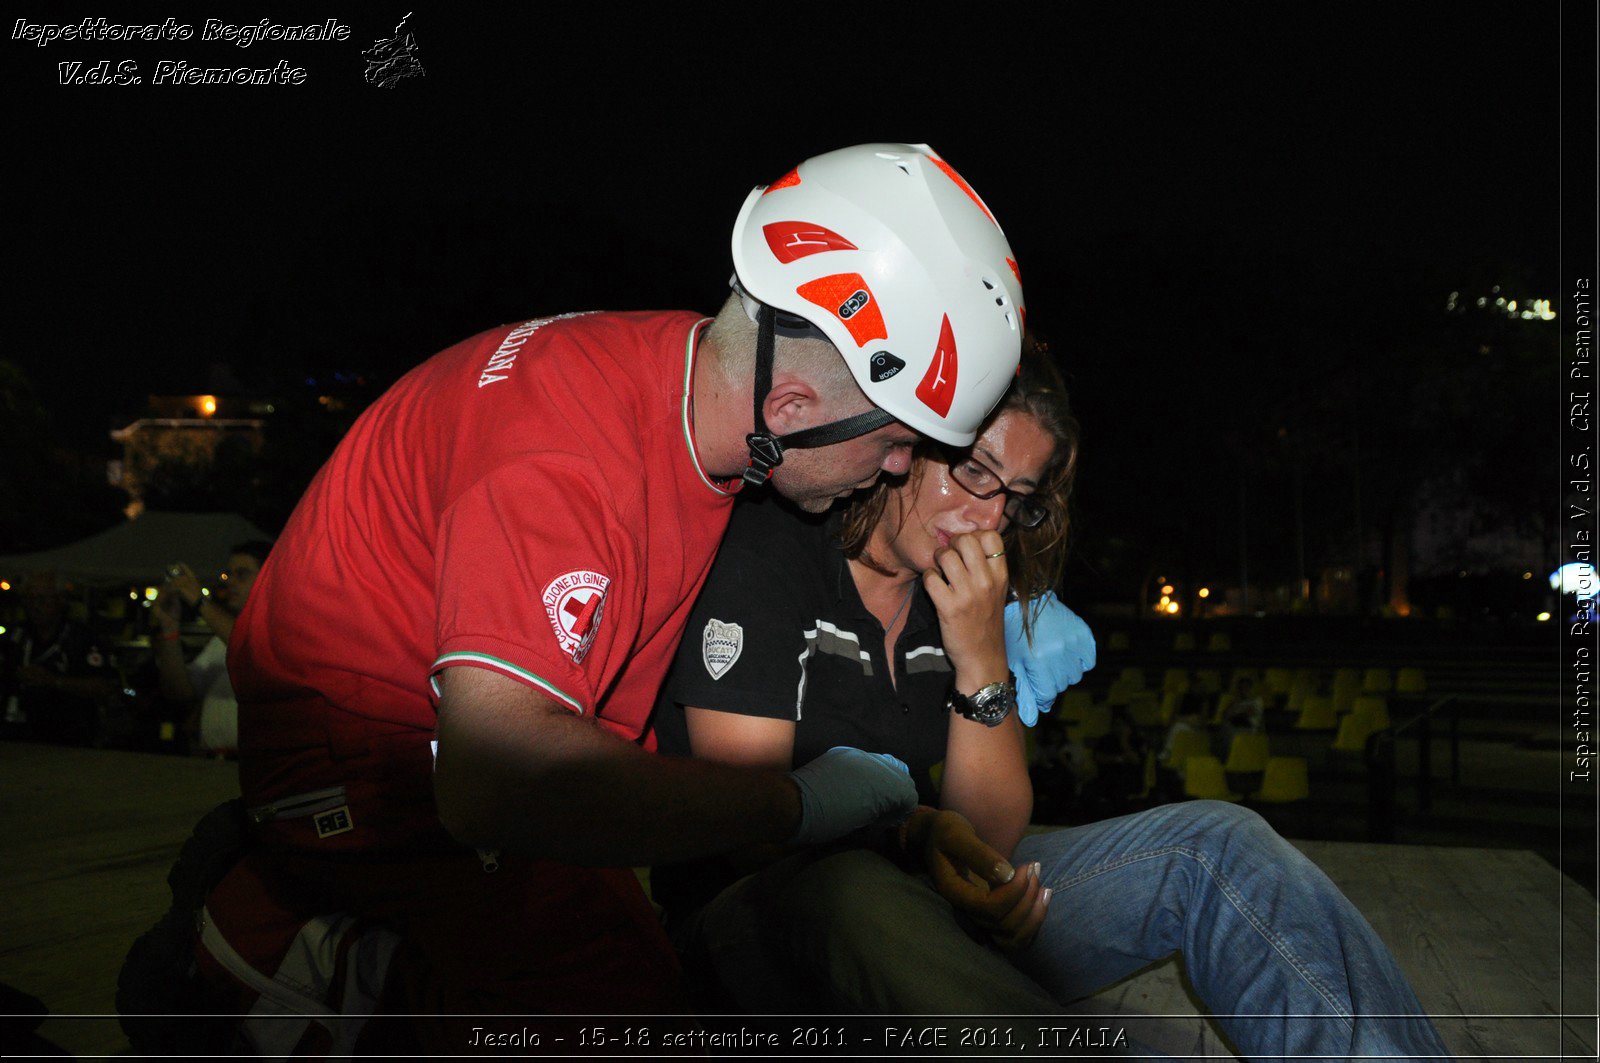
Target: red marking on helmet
938 387
788 179
951 173
790 240
833 292
1015 272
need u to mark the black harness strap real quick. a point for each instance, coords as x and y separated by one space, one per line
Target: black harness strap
766 449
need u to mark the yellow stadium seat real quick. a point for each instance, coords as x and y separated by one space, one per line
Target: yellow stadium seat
1346 688
1184 642
1224 703
1317 714
1175 679
1096 722
1208 681
1170 701
1353 732
1374 710
1284 780
1219 642
1132 676
1144 709
1248 753
1186 744
1118 643
1149 773
1377 681
1204 778
1304 685
1411 681
1072 703
1121 693
1278 681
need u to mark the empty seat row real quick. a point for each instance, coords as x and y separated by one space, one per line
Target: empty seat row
1283 779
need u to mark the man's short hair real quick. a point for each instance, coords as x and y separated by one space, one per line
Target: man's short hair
815 360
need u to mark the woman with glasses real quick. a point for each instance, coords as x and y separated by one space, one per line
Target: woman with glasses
883 628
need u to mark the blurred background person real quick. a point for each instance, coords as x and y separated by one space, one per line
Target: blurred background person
59 674
202 686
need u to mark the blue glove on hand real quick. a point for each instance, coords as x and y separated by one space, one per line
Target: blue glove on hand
846 789
1061 651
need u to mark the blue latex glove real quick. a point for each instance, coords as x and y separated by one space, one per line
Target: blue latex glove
1061 651
846 789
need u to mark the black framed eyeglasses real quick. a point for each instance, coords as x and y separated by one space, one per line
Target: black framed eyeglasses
980 481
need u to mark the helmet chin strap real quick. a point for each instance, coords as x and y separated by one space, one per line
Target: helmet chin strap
766 449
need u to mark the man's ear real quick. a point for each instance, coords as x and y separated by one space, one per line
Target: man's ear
791 405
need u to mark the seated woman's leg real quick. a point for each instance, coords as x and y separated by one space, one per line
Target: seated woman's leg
863 933
1263 931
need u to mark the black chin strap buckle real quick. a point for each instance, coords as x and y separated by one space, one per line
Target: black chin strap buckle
766 454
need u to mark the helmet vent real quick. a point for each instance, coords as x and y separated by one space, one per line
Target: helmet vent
899 161
993 284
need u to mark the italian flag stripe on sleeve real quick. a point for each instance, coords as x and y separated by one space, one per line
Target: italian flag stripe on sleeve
485 661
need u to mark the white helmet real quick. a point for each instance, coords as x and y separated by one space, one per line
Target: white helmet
895 259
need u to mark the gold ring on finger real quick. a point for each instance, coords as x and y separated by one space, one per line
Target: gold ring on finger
997 553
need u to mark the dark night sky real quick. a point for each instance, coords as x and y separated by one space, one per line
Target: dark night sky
1206 181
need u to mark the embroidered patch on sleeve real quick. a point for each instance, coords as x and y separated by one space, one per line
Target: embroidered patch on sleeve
575 603
720 646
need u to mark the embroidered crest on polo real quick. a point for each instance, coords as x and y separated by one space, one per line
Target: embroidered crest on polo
575 602
720 646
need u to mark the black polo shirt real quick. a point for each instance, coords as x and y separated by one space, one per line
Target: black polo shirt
780 632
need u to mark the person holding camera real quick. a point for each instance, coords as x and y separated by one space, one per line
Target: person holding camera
202 684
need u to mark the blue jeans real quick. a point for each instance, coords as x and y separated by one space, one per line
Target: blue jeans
1283 960
1262 930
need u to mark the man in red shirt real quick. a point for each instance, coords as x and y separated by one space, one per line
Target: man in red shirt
446 669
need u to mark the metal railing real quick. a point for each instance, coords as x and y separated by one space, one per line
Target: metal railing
1382 781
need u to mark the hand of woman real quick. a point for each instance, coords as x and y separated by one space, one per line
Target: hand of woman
968 587
977 880
185 584
164 611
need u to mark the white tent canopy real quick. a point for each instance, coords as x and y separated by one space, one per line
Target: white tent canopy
139 550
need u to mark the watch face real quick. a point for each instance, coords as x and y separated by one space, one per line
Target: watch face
989 706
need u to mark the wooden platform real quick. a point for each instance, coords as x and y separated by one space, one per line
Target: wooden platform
86 838
1482 934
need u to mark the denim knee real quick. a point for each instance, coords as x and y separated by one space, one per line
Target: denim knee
1221 816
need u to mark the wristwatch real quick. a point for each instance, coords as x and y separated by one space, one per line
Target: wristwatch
989 706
